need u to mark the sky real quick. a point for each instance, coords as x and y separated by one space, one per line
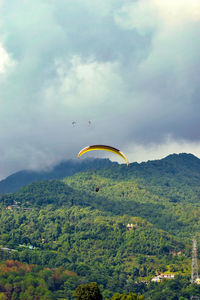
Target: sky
130 67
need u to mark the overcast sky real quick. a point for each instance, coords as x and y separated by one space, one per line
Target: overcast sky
130 67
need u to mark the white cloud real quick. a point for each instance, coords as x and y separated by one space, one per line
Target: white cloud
152 151
140 15
5 60
146 15
87 84
176 12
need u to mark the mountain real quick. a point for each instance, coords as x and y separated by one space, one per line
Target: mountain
139 223
157 191
67 168
181 165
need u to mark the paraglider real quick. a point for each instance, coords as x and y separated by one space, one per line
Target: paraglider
103 147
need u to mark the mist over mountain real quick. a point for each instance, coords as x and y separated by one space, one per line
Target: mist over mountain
66 168
182 164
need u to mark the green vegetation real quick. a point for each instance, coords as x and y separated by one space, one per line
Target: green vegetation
58 235
130 296
88 292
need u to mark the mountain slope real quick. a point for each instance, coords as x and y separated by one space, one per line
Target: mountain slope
15 181
146 190
65 222
182 166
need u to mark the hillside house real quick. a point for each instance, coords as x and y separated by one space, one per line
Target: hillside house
27 209
131 226
160 277
174 253
14 206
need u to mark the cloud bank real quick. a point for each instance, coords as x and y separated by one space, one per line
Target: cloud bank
131 67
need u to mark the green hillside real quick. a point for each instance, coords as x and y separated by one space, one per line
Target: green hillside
63 226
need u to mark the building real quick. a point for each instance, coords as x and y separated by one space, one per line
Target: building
160 277
14 206
131 226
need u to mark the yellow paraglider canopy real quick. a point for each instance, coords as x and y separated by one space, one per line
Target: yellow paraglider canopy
103 147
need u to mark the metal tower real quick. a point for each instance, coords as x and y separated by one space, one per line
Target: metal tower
194 275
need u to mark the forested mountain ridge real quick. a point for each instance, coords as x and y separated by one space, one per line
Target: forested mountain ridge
66 168
66 226
180 165
175 166
165 192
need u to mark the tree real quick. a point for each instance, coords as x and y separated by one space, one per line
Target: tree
88 292
131 296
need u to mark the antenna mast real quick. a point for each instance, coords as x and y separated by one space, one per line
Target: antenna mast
194 274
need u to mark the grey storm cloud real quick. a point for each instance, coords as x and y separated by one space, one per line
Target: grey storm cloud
131 67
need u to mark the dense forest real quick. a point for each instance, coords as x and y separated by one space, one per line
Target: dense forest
58 235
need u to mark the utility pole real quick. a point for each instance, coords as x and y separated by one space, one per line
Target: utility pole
194 274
